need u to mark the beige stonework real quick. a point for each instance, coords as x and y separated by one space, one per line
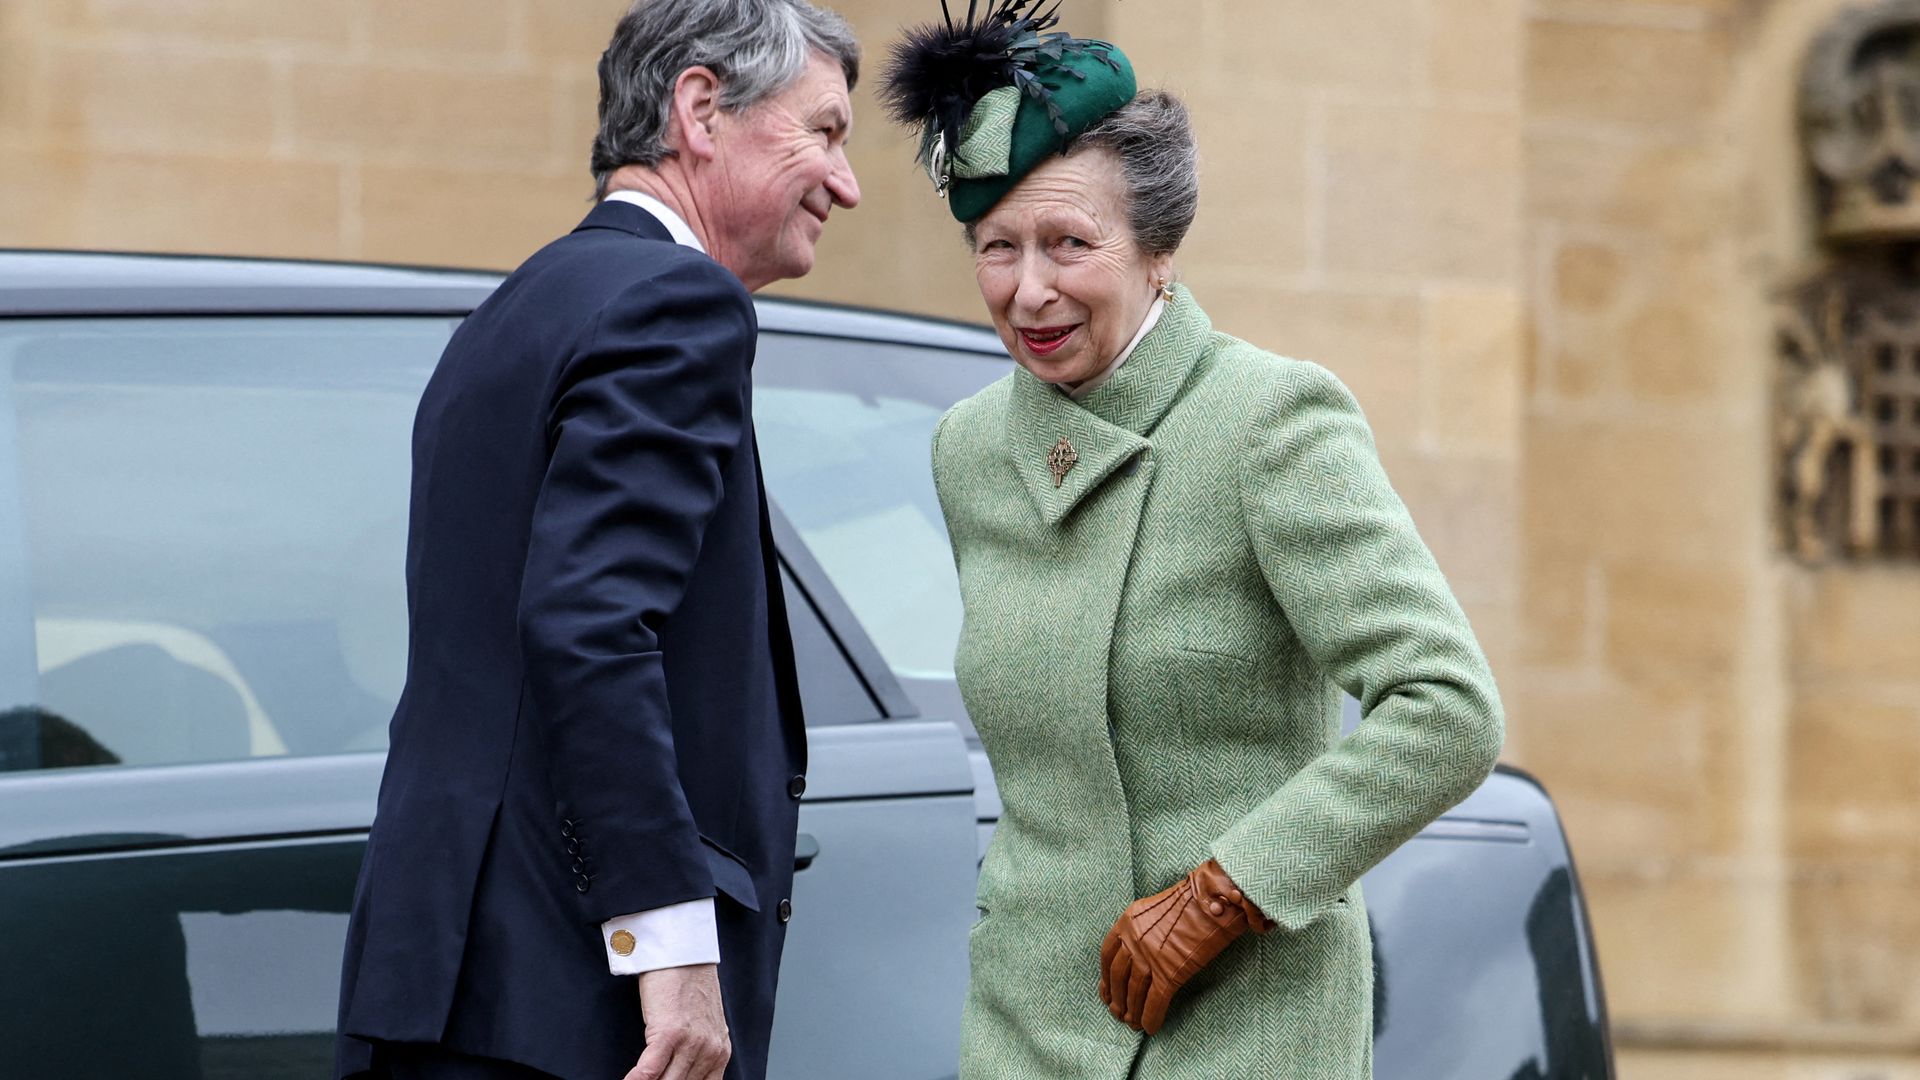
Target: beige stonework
1539 239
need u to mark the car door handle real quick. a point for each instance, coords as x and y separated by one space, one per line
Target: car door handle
805 850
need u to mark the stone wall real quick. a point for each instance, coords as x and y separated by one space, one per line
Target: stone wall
1734 738
1537 237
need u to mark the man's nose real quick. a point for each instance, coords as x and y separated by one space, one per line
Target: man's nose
842 185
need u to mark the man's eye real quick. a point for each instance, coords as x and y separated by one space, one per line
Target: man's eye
1073 242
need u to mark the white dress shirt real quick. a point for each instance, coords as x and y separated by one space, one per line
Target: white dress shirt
679 934
1147 324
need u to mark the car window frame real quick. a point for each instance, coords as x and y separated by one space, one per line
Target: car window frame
856 648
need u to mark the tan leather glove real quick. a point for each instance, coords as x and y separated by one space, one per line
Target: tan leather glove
1161 942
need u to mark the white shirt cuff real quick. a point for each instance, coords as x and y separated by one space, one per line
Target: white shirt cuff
672 936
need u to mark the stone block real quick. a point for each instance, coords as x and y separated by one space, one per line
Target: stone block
1610 73
1255 204
1675 622
38 208
1853 775
124 96
393 115
1470 387
1856 945
570 35
22 85
1701 943
1858 625
464 217
1560 602
1589 278
1373 46
1648 318
1626 489
1467 513
252 22
1679 342
1578 361
1676 191
1474 48
1624 764
1371 341
576 120
1635 1063
238 206
20 18
484 35
1427 193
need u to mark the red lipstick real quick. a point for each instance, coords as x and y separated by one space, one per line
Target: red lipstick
1046 340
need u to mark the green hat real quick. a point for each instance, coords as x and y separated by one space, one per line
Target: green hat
997 95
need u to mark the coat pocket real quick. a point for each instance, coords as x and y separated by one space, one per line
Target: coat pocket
1214 689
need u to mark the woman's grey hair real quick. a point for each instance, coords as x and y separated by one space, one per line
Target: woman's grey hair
1152 136
756 48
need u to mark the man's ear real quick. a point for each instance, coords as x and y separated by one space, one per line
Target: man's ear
696 103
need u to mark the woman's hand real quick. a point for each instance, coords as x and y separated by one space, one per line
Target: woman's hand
1161 942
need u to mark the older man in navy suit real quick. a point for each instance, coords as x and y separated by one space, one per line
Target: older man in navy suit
596 765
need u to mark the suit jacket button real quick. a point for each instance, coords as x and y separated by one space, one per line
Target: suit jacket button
786 911
797 786
581 881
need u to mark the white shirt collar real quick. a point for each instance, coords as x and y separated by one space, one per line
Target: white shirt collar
1080 392
677 226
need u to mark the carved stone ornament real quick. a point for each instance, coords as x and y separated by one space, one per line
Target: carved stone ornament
1847 421
1828 488
1860 122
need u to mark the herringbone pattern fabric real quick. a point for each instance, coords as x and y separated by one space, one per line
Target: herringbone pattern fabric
986 143
1153 654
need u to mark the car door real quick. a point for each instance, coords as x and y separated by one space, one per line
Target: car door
201 548
875 967
206 527
845 424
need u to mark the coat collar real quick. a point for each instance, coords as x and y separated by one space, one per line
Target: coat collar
1109 427
627 218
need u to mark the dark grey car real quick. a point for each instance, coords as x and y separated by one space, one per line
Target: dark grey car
203 495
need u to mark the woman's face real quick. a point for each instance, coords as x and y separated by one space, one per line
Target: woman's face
1058 267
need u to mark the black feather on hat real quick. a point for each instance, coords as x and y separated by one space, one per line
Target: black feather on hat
940 71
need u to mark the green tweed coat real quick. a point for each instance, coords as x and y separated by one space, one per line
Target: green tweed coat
1153 652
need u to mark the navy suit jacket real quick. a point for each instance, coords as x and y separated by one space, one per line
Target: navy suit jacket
600 714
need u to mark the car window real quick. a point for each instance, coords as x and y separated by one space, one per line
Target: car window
202 535
830 692
845 431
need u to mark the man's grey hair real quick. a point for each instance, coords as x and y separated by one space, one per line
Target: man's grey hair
756 48
1152 136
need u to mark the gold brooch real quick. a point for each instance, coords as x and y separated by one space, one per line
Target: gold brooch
1062 460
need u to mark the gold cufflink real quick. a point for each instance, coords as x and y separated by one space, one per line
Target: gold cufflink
622 942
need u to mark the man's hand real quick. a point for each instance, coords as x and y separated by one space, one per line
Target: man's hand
686 1027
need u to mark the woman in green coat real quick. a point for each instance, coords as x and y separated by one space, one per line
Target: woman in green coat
1175 551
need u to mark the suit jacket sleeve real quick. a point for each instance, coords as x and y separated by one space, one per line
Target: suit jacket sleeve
644 419
1341 556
